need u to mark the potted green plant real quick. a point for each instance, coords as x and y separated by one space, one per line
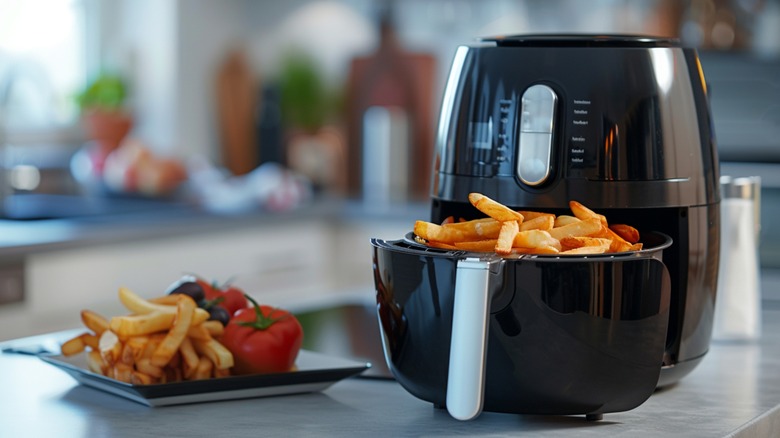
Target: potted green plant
103 110
315 143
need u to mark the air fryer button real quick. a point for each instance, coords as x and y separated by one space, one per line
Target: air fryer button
537 118
538 109
533 163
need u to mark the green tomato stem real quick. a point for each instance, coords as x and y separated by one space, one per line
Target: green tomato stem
261 321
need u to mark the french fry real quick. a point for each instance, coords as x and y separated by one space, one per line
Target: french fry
571 242
636 247
139 378
497 211
215 351
618 244
585 227
564 219
466 226
189 358
122 372
167 349
145 366
437 233
584 213
535 239
135 325
91 320
544 222
73 346
488 245
127 355
477 229
151 346
134 303
95 362
506 237
627 232
110 347
136 345
441 245
90 340
200 331
543 250
203 369
166 300
215 328
531 215
584 250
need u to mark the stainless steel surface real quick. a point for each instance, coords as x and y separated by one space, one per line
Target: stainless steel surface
734 392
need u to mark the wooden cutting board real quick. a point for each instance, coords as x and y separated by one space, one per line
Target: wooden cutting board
237 99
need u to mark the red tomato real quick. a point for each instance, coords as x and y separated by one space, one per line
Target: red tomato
234 300
231 298
208 288
263 339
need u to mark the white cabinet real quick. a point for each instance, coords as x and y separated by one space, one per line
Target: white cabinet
283 260
296 264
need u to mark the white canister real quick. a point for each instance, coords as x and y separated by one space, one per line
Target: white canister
738 303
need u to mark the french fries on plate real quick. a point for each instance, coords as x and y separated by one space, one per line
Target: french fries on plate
506 231
162 340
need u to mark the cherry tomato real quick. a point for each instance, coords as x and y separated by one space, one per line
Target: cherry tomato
229 297
234 300
209 289
263 339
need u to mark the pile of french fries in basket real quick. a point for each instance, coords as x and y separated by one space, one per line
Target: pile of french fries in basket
506 231
163 340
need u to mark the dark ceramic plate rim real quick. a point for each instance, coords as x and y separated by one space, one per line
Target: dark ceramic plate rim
313 368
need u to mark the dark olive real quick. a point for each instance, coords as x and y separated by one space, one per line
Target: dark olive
191 288
220 314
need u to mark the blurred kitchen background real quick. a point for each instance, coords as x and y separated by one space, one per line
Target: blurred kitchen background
110 107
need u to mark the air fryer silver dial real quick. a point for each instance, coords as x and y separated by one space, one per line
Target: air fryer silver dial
537 119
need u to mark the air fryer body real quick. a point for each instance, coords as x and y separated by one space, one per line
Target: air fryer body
620 124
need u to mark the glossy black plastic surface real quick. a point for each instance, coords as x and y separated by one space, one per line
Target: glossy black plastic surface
634 116
582 40
566 335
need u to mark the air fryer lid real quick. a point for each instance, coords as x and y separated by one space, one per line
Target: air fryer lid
581 40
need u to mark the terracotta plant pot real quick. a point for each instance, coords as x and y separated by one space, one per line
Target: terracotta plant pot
107 127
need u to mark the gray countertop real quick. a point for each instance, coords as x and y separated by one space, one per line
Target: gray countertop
734 392
22 237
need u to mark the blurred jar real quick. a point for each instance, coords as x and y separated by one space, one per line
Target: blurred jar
738 303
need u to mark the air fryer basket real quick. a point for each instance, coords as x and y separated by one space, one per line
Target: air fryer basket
566 335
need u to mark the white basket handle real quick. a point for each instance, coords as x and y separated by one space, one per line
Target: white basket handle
468 344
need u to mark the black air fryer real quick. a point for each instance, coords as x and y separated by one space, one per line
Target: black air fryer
618 123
